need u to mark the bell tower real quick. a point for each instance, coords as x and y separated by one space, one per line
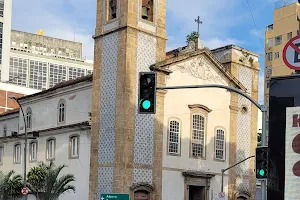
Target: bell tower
126 147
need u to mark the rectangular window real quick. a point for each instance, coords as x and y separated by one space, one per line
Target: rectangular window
33 151
1 154
74 146
269 70
18 71
38 75
58 73
88 72
289 36
111 9
270 42
51 149
198 136
278 40
17 155
1 8
269 55
268 84
174 137
220 144
147 12
276 55
75 72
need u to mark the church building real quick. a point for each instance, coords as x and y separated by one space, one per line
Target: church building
179 152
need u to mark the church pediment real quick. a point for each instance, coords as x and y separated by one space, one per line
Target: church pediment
199 67
200 64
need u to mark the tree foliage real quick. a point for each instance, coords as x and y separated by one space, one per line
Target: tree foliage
193 36
10 185
258 139
46 183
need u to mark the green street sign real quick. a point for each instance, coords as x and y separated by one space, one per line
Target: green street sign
114 196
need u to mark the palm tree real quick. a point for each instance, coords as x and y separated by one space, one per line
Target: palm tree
44 181
10 185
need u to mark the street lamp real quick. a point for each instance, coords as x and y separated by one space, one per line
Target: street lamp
25 144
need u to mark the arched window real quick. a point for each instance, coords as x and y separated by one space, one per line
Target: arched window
4 130
28 118
74 147
174 137
198 134
61 111
17 153
51 148
220 144
33 151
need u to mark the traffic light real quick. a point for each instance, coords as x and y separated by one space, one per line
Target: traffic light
261 161
147 93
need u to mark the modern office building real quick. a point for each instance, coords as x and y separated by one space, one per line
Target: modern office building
40 62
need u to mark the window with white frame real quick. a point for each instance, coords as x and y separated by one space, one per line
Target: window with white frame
276 55
269 56
198 134
289 35
33 151
278 40
51 149
28 118
1 154
74 146
220 144
17 153
270 42
174 137
4 130
61 111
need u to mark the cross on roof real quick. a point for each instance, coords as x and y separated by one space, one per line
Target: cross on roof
198 21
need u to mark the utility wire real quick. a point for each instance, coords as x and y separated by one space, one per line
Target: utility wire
255 24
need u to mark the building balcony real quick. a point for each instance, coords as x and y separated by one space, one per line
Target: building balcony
270 27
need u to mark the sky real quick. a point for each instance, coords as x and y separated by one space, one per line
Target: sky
224 22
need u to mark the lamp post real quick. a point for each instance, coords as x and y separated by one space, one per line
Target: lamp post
25 142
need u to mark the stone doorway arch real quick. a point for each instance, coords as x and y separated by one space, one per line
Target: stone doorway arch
242 195
142 191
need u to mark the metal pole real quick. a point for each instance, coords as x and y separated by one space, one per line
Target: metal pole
241 92
25 144
224 170
264 143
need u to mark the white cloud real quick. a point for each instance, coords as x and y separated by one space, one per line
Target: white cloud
217 42
32 15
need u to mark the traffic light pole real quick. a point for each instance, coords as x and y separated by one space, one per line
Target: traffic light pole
262 108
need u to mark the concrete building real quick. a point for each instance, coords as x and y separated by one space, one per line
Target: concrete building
64 131
40 62
5 33
284 27
179 152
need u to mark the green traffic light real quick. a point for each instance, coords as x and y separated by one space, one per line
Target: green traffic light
146 104
262 172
